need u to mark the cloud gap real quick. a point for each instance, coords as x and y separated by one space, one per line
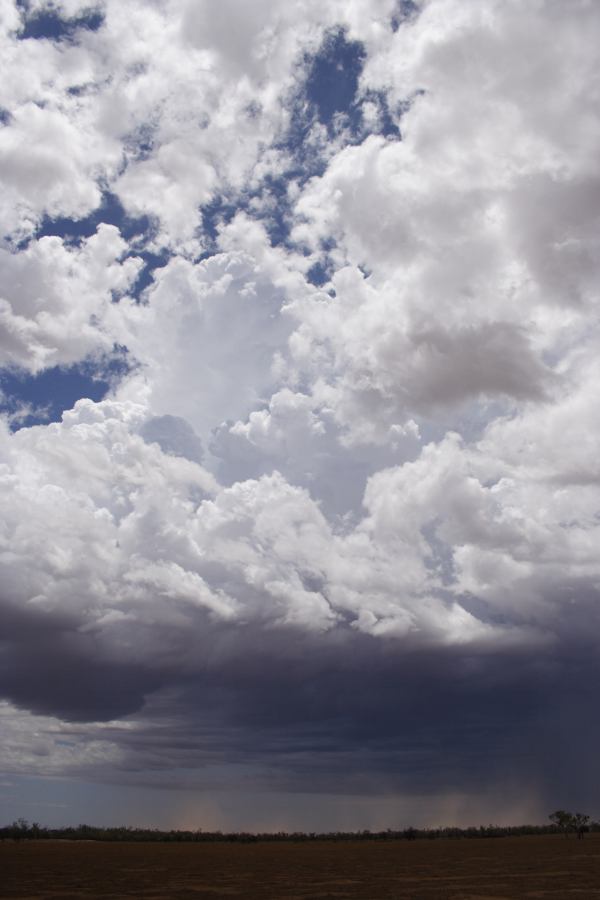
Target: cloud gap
39 399
48 24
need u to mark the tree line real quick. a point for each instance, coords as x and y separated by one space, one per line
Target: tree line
561 822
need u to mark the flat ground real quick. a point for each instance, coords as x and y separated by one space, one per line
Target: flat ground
481 869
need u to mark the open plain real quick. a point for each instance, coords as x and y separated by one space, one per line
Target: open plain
508 868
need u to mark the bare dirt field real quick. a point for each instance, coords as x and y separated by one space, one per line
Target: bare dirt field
482 869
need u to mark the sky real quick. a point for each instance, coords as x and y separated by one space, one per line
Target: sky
299 364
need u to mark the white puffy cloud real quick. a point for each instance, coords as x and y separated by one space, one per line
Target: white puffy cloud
122 539
41 155
478 230
168 104
206 340
377 359
119 533
54 296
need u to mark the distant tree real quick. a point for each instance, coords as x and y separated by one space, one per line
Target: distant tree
19 829
565 821
580 823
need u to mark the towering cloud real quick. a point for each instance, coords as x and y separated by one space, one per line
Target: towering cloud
336 522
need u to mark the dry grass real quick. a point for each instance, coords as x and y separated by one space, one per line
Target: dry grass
482 869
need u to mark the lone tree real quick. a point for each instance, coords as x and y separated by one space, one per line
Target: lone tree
566 822
563 820
580 822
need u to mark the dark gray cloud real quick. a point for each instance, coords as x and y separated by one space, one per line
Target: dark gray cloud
351 716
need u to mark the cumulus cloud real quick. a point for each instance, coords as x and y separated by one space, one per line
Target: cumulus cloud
55 296
476 227
342 505
206 341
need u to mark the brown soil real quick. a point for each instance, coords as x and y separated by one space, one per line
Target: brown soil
482 869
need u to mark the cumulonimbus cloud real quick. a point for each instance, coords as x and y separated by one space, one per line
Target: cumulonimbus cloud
357 438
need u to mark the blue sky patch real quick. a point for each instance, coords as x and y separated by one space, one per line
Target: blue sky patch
319 274
219 211
407 9
42 398
333 77
328 95
110 211
49 25
140 144
138 230
152 261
